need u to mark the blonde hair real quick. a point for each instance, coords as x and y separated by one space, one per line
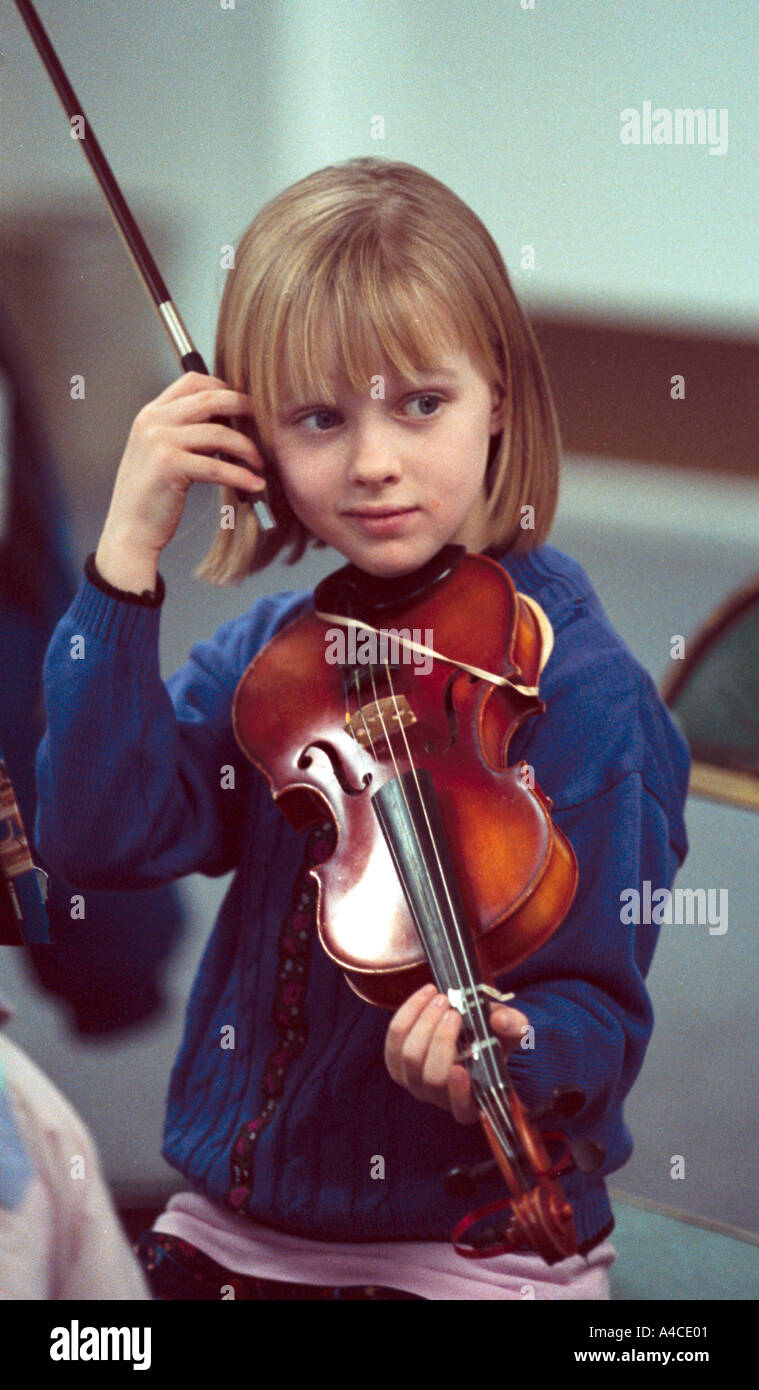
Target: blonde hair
398 265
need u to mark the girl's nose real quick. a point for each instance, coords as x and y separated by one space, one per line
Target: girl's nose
372 457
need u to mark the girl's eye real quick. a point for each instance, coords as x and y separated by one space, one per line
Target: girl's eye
426 398
318 415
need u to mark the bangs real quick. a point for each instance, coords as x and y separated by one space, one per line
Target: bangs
371 314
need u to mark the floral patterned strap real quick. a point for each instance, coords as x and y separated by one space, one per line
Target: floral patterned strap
294 959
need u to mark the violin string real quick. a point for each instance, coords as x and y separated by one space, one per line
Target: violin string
348 717
492 1098
498 1113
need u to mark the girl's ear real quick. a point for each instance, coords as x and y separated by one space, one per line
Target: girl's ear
498 429
498 412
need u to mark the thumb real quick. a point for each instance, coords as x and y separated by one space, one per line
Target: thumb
509 1024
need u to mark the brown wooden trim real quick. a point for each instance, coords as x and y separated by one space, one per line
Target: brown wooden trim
727 785
611 384
706 1223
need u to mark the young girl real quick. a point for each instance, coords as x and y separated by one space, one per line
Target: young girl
370 328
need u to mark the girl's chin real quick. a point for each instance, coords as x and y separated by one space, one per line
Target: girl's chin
392 558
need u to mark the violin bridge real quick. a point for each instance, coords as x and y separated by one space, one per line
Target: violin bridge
375 721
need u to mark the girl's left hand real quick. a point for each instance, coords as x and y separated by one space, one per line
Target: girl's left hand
420 1050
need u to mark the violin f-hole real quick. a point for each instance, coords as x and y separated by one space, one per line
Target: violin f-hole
451 716
304 761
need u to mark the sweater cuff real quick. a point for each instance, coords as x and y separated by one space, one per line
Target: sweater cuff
118 617
149 598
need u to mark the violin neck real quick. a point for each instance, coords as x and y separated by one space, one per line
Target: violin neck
409 814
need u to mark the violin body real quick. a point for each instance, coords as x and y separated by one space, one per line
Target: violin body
515 870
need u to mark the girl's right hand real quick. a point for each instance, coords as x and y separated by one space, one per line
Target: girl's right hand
171 446
421 1050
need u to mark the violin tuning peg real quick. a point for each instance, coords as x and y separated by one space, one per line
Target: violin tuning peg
459 1183
565 1102
462 1182
587 1156
488 1236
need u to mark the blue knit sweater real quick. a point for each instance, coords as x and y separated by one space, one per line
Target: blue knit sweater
286 1116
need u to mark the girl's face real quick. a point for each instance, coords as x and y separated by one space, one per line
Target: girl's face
390 481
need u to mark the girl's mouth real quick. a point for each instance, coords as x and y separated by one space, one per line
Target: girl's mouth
382 522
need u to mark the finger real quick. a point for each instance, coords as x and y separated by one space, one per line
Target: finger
199 469
400 1024
194 396
208 401
509 1025
216 438
188 383
440 1053
460 1096
441 1072
413 1052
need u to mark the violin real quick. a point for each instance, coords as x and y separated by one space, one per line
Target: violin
446 864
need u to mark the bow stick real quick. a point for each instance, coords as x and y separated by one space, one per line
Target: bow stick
187 354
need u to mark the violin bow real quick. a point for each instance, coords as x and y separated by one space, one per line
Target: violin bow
187 354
